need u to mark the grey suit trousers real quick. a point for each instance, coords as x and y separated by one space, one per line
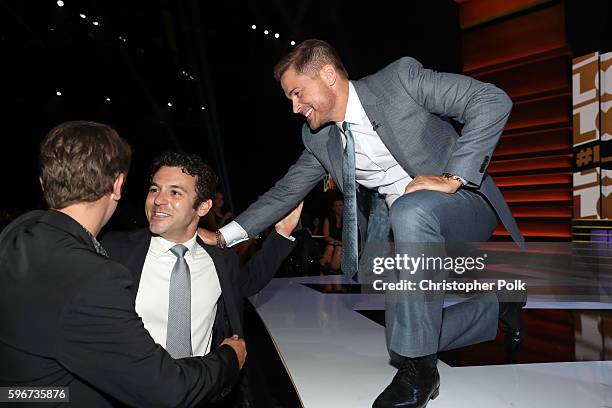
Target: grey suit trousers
424 223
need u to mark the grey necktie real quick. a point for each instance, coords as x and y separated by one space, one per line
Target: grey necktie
178 339
349 215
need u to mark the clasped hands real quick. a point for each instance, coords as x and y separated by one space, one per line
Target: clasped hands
284 227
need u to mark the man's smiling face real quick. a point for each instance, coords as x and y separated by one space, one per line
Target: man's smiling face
311 96
170 205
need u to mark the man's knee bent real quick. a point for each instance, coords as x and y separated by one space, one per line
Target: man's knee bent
414 213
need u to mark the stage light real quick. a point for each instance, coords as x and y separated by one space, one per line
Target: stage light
266 32
60 3
82 15
292 42
203 107
169 104
96 23
107 99
276 35
58 93
254 27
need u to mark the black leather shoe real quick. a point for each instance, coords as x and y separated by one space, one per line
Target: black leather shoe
416 382
511 305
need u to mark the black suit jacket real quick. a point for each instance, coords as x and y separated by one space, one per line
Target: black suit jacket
67 319
130 249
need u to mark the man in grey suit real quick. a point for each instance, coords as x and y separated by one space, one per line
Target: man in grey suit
388 144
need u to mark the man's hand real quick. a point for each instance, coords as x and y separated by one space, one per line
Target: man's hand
207 236
433 183
239 347
286 226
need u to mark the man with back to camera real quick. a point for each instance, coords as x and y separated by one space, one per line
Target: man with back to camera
67 314
388 144
189 295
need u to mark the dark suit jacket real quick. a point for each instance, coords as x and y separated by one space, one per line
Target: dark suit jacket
67 319
130 249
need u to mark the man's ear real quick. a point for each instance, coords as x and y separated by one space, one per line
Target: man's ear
328 74
117 185
204 207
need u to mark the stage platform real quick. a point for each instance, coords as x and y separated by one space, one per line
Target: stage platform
330 337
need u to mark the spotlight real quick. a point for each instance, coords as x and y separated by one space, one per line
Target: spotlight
203 107
107 99
58 93
292 42
82 15
254 27
266 32
276 35
96 23
60 3
169 104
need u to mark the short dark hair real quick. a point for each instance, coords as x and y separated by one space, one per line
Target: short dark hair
80 161
308 58
205 178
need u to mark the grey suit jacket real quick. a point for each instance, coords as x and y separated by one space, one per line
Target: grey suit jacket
409 107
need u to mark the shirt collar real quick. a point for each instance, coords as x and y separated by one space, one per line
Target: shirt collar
97 245
354 110
161 246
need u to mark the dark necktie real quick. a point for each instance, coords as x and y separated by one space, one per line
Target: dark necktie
178 338
349 215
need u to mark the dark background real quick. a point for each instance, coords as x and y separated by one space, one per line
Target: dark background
144 54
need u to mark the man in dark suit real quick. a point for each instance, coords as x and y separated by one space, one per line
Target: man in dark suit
192 320
67 314
388 143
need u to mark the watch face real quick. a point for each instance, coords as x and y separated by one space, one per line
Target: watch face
452 177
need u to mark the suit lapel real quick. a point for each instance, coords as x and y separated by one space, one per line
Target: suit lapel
376 114
135 258
375 108
227 290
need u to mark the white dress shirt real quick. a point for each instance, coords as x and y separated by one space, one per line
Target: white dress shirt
375 167
153 292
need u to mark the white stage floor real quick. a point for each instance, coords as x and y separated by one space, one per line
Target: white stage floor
337 357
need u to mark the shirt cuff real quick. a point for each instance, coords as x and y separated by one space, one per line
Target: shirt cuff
290 238
233 233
